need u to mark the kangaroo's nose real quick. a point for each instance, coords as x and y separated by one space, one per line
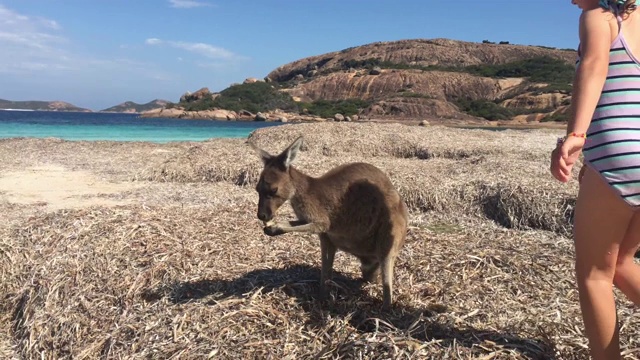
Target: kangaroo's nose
262 216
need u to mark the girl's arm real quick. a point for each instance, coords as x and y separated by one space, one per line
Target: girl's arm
595 43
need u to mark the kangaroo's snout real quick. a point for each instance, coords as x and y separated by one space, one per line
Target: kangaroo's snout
262 215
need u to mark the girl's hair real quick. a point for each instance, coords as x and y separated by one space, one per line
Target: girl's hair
623 6
628 7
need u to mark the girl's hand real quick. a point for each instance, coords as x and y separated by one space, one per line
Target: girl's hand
564 156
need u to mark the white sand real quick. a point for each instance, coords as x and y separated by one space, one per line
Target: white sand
55 187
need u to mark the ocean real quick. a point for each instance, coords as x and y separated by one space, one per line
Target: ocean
118 127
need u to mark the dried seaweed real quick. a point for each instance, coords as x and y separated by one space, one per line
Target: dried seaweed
184 271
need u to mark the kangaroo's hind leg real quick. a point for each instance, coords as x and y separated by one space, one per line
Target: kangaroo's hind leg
370 267
327 253
388 249
387 279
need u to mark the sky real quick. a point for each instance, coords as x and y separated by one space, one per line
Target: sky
99 53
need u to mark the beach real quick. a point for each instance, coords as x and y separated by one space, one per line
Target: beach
147 250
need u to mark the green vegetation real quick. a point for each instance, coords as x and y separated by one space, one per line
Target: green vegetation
260 97
566 88
556 73
154 104
485 109
253 97
538 69
492 111
557 117
371 63
327 108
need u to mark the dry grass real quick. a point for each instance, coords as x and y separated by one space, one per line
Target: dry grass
501 175
186 272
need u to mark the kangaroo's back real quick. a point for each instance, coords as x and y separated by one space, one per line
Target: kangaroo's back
363 178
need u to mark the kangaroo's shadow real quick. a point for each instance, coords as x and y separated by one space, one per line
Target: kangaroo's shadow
348 300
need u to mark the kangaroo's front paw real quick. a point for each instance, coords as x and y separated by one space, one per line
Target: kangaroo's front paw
273 230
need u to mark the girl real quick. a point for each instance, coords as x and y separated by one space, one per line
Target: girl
605 126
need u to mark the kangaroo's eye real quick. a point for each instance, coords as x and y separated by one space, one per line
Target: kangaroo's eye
272 192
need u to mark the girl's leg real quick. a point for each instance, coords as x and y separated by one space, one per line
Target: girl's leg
627 276
600 223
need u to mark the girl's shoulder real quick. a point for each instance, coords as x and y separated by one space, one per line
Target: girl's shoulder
597 14
598 21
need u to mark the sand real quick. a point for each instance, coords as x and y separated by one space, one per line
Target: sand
55 187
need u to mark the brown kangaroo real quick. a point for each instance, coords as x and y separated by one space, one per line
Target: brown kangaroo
353 207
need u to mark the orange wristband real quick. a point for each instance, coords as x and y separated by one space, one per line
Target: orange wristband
562 139
581 135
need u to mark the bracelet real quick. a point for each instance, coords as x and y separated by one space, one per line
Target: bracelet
562 139
581 135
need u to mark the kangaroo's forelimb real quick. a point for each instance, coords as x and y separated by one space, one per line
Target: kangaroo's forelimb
293 226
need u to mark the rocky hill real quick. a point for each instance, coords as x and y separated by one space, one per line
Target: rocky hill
132 107
40 105
415 79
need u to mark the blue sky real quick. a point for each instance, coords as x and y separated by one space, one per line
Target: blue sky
99 53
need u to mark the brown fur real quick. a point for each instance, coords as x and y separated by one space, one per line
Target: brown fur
353 207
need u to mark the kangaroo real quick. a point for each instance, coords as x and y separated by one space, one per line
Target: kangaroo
352 207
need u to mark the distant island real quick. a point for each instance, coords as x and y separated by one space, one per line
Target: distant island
132 107
40 106
36 105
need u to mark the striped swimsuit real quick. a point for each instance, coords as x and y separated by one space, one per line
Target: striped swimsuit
613 139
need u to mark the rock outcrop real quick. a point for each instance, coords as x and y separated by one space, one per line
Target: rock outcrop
531 100
180 113
419 52
220 114
418 79
198 95
422 78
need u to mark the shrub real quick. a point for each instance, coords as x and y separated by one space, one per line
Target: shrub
328 108
557 117
485 109
253 97
538 69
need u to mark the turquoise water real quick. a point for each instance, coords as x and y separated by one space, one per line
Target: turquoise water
118 127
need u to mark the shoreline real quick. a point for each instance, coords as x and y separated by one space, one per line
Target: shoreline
450 125
471 123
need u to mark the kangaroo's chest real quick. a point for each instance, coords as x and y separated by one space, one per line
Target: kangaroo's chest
300 209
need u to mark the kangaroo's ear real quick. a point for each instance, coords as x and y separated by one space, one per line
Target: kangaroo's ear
264 156
290 153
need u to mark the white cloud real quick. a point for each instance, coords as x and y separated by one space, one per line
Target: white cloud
19 28
30 44
52 24
36 45
206 50
153 41
187 4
